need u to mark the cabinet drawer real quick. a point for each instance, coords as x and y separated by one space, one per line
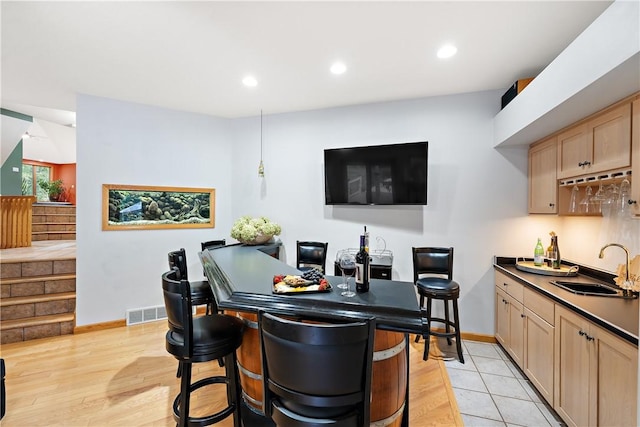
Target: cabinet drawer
509 285
540 305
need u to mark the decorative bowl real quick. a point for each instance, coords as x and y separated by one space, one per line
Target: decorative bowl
260 239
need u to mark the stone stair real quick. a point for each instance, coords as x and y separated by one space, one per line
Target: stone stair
38 299
53 222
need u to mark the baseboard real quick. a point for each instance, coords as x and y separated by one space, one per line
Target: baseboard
478 337
470 336
99 326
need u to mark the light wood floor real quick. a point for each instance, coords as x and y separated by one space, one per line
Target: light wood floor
40 250
125 377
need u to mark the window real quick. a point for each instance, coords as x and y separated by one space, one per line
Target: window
31 174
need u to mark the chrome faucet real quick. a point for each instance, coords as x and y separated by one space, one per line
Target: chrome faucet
627 281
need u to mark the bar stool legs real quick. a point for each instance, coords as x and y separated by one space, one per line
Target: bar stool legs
448 334
181 404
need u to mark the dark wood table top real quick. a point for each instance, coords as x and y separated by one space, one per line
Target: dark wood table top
242 279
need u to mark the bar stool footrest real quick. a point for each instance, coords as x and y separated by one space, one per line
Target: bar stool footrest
209 419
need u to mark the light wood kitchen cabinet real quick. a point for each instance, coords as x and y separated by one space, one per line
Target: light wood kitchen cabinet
635 156
600 143
524 327
595 373
543 187
539 341
510 324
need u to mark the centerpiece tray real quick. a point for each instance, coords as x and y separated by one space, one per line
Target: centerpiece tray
530 267
297 285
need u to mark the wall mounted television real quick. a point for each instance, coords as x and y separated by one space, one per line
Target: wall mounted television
392 174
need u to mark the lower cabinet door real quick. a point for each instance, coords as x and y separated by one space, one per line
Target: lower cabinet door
516 332
617 393
573 388
538 358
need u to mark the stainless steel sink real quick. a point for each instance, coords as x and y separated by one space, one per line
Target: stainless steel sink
591 288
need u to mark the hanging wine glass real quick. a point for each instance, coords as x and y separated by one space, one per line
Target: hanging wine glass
586 204
625 192
599 197
573 203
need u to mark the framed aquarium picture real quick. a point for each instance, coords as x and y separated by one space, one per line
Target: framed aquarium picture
135 207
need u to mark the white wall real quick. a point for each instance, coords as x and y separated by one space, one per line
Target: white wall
124 143
477 196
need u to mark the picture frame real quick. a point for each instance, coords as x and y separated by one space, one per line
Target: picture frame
143 207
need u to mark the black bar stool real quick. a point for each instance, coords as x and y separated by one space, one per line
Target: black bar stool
201 339
438 261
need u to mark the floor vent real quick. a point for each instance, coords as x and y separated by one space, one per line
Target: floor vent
146 314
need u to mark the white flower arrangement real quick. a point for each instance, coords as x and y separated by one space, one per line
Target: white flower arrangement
247 229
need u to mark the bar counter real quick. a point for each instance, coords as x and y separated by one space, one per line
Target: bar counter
242 280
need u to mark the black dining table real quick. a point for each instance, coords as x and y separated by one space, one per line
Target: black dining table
241 278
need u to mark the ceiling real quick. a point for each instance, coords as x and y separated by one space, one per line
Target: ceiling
192 56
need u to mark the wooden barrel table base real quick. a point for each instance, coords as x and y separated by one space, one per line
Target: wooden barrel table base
388 381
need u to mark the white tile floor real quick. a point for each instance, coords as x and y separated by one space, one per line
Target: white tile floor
491 390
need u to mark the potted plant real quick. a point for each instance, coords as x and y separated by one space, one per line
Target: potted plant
55 189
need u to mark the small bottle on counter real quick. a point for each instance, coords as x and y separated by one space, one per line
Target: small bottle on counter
538 254
549 252
362 267
555 254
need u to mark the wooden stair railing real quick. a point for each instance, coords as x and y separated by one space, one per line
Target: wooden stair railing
15 221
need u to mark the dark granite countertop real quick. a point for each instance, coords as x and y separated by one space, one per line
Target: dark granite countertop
241 278
617 315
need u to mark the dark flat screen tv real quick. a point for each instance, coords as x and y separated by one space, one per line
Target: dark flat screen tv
393 174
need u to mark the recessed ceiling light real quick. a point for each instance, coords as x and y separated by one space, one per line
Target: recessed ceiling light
447 51
26 135
338 68
250 81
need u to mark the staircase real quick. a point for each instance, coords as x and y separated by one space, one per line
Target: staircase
53 222
38 294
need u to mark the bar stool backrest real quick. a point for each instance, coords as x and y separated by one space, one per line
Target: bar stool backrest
177 302
311 254
432 260
178 259
313 370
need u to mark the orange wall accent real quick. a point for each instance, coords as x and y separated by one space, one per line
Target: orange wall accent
65 172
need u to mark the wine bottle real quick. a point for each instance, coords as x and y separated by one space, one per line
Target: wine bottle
549 254
362 267
538 254
555 258
366 239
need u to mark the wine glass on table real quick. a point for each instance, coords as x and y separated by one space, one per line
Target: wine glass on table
348 266
341 252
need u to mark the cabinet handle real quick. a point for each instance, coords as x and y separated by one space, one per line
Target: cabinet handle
589 337
632 202
582 333
551 205
522 316
585 163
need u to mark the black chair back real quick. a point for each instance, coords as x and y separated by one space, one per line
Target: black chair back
311 254
213 244
313 370
431 260
178 259
177 302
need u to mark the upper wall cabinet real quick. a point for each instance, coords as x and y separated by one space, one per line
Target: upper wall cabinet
598 144
635 147
543 187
